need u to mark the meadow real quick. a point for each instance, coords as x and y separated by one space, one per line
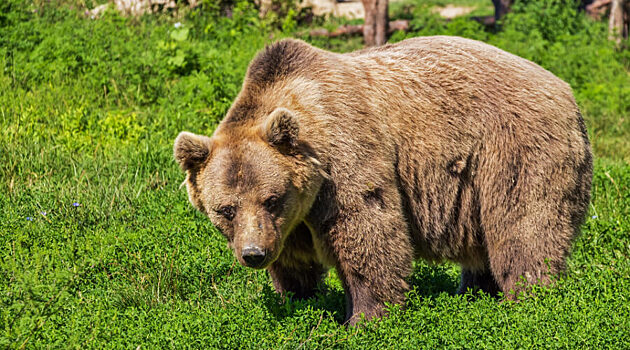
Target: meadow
99 247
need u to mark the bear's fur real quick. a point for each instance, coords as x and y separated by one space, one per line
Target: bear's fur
434 148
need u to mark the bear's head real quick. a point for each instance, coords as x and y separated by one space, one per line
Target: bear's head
255 181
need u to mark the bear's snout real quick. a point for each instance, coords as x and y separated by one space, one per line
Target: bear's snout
253 256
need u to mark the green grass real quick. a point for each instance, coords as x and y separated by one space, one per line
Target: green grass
88 113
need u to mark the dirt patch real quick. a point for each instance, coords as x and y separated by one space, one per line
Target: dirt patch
452 11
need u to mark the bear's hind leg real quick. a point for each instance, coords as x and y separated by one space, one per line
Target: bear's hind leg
531 208
516 264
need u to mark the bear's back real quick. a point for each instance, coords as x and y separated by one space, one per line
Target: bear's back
465 72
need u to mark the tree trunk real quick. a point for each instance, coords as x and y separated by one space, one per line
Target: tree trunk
501 8
618 22
382 20
376 21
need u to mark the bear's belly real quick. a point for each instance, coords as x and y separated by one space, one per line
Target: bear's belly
473 257
443 211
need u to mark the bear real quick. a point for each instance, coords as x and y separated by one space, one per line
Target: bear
436 148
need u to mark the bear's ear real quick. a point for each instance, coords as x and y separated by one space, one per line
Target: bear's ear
281 129
191 150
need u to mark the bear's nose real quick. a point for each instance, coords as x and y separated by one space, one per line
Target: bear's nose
253 256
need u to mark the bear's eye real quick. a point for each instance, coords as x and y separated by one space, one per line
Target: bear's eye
227 211
271 203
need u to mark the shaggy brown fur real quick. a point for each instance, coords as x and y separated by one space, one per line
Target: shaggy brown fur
435 148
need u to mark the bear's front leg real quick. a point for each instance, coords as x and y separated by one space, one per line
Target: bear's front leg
373 254
297 270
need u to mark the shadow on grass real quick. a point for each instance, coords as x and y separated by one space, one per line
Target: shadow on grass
327 299
433 280
425 281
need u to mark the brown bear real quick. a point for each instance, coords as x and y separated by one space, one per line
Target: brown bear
435 148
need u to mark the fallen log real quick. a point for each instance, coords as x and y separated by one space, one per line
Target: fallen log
487 21
358 29
597 8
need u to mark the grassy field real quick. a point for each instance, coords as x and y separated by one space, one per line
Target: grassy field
99 247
